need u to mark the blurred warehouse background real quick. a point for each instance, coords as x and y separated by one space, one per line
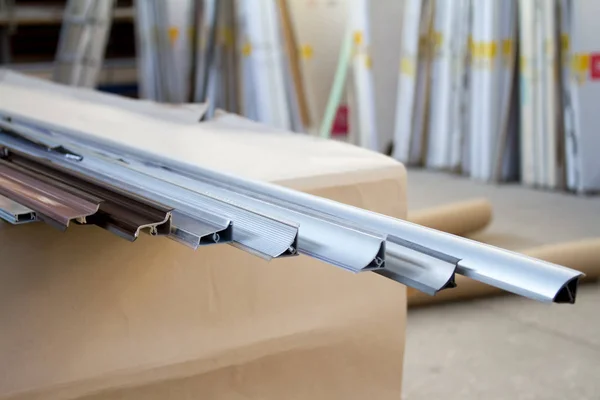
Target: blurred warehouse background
495 90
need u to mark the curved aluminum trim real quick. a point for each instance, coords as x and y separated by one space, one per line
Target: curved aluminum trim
264 235
337 244
418 270
509 271
194 232
506 270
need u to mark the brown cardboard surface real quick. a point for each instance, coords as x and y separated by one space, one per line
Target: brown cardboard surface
582 255
461 218
86 315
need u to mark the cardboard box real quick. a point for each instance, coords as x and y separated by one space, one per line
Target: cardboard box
86 315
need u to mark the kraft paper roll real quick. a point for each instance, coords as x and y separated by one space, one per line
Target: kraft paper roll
582 255
460 218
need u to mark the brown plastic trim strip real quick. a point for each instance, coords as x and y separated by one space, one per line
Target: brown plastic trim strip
120 212
53 205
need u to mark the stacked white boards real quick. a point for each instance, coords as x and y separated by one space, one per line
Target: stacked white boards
560 90
501 90
279 62
82 42
492 126
542 161
230 54
414 74
582 94
454 108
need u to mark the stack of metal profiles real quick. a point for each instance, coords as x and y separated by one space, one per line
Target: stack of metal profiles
59 176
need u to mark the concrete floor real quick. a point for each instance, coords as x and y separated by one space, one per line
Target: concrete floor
507 347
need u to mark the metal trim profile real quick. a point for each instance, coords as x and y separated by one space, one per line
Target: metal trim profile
508 271
334 242
119 213
253 232
15 213
417 269
337 241
211 229
52 205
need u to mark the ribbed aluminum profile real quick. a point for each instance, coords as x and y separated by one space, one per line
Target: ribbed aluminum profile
336 243
506 270
196 232
343 245
259 234
205 229
320 236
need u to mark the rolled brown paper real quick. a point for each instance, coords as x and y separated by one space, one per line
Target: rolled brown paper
582 255
460 218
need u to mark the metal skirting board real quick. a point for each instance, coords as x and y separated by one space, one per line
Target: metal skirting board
15 213
119 213
257 233
53 205
272 221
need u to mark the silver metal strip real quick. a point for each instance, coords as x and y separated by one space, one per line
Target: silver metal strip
506 270
335 243
266 236
15 213
509 271
417 270
194 233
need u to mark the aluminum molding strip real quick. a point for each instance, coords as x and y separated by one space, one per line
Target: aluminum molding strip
509 271
336 252
323 238
210 229
52 205
343 246
259 234
194 233
15 213
43 140
417 270
506 270
119 213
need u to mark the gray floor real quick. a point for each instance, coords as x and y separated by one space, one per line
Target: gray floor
507 347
